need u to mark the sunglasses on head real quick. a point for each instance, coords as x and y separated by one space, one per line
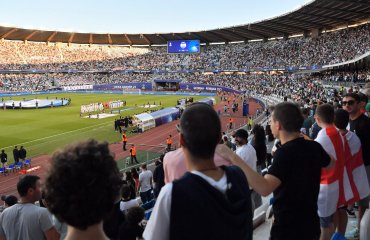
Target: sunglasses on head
349 103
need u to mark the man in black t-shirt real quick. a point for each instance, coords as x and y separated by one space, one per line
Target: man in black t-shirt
3 158
22 153
294 176
16 154
158 176
359 124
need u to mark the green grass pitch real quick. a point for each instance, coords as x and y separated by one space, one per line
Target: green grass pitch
41 131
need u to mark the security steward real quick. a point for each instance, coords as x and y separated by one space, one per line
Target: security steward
133 154
124 141
169 142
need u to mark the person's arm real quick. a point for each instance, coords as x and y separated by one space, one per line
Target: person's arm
139 184
52 234
47 225
155 176
262 185
331 164
2 233
324 150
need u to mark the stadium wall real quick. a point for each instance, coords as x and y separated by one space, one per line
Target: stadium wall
207 94
145 86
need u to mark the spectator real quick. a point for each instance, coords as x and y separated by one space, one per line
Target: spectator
145 184
132 229
270 140
135 176
129 180
83 201
61 228
331 189
354 166
9 200
246 152
201 192
307 122
26 220
174 164
259 144
294 176
315 129
126 202
227 142
158 176
359 124
113 221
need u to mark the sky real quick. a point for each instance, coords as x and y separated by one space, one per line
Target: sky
139 16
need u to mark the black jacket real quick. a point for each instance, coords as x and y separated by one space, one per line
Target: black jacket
200 211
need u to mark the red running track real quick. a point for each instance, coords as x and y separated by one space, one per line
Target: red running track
152 139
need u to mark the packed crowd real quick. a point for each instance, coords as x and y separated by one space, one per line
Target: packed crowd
24 82
349 76
292 86
328 48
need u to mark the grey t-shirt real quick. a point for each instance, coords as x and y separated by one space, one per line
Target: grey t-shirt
25 221
61 227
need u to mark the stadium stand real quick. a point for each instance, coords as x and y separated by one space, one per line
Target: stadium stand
329 48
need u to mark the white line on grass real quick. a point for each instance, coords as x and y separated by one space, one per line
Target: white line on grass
59 134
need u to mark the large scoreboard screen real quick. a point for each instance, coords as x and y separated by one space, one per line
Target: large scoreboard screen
183 46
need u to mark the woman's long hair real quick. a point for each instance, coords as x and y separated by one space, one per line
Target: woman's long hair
259 143
270 136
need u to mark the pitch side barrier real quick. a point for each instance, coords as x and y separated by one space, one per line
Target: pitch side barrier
145 86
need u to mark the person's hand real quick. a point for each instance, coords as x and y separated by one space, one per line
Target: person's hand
225 152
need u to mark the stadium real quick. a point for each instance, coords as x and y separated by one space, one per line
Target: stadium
58 88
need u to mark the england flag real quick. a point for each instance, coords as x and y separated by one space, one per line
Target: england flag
331 193
354 166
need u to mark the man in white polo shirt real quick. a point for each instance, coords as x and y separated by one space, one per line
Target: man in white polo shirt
248 154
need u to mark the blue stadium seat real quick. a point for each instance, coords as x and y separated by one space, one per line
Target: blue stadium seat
11 167
147 214
18 166
148 205
338 236
27 163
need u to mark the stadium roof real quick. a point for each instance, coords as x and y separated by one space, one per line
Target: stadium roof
319 14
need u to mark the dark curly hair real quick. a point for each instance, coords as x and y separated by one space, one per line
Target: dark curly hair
135 215
82 184
200 128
